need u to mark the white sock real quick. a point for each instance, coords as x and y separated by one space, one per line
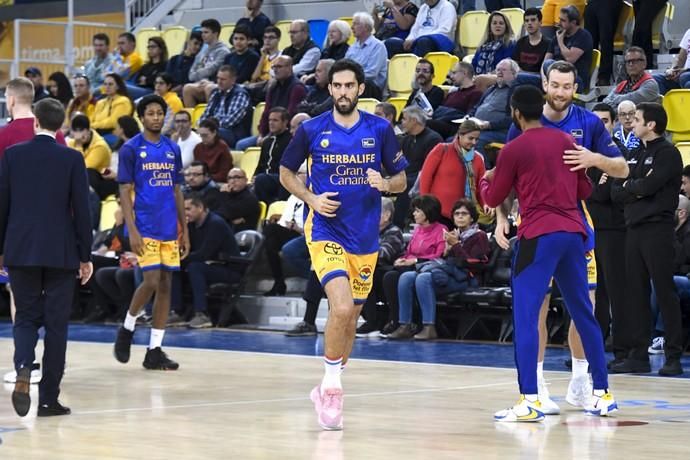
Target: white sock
130 322
599 393
331 376
540 373
580 367
532 398
156 338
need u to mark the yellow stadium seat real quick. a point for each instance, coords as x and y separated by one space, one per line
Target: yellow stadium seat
143 36
226 31
262 214
401 73
256 117
284 27
236 157
660 33
593 92
676 103
399 104
250 160
275 209
626 22
368 104
175 38
348 19
684 148
516 16
108 208
471 30
443 63
197 112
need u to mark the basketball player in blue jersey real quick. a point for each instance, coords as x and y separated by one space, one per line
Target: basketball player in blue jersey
594 149
150 176
345 151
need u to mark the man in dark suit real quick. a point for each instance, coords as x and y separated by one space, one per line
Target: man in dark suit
45 241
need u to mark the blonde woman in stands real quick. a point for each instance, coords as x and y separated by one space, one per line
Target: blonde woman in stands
115 104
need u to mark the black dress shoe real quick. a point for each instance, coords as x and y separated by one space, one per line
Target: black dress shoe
21 401
631 366
671 367
278 289
50 410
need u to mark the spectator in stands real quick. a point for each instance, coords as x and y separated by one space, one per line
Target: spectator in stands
179 65
95 68
369 52
453 164
497 44
238 205
685 181
269 51
213 150
394 19
206 65
433 30
601 20
229 104
115 104
550 11
572 44
125 60
279 230
242 57
530 50
318 98
127 127
256 21
386 110
143 81
211 242
466 243
493 5
418 141
645 13
34 74
267 187
623 131
427 244
493 109
640 85
60 88
185 137
83 101
462 97
336 40
678 76
91 145
163 87
197 180
286 91
424 82
607 115
303 51
391 247
297 120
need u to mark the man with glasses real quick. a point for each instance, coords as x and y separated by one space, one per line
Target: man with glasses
185 137
623 131
197 179
238 205
95 67
640 86
572 44
269 51
424 80
304 52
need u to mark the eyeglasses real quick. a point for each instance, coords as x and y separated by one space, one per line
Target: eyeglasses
626 114
633 61
461 213
236 177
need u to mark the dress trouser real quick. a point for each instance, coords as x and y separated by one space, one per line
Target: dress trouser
609 249
601 19
645 12
43 297
649 256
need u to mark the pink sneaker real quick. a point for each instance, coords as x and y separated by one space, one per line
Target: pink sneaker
328 407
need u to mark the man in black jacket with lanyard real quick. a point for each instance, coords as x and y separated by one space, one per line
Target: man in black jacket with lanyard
650 197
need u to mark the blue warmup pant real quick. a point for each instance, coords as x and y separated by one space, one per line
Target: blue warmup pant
559 255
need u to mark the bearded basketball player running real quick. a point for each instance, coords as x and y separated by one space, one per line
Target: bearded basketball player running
345 150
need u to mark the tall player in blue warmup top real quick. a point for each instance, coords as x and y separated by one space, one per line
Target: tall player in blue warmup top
150 173
594 149
345 150
551 241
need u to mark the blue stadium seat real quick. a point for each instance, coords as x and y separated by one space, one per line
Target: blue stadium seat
318 29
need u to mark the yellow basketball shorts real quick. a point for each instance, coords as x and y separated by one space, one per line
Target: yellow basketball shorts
591 270
160 255
330 260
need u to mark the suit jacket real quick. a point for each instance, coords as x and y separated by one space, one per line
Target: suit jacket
44 208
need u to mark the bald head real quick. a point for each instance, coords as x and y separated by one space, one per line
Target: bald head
297 120
684 203
282 67
237 180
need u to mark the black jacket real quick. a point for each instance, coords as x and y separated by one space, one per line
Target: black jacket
235 205
650 193
272 150
606 213
212 240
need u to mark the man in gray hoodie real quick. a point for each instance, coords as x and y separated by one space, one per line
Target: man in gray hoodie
206 64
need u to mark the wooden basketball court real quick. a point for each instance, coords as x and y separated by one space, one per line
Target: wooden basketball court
246 405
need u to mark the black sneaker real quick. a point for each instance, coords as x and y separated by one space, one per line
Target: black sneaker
302 329
389 328
123 343
631 366
156 359
367 330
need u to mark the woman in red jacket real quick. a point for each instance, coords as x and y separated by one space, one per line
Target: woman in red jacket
213 151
